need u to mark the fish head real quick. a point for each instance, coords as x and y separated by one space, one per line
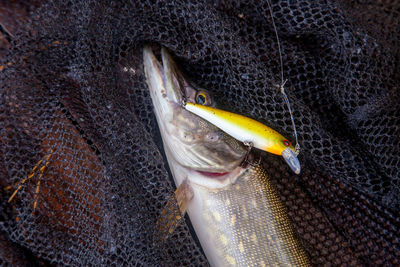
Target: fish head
190 140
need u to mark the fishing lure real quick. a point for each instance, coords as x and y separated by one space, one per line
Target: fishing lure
248 131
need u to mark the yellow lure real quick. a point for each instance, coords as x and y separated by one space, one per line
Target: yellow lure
248 130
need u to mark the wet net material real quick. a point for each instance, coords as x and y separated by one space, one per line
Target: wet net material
74 103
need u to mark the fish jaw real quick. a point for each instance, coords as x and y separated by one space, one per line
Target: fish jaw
157 84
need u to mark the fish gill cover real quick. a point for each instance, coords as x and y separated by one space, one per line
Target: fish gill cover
73 91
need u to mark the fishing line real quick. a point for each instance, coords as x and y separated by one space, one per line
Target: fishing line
283 82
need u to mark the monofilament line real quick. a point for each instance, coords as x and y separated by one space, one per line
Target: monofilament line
283 82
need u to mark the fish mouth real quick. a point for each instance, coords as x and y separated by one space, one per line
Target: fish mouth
170 80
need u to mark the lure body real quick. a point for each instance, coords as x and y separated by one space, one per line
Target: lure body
242 128
248 131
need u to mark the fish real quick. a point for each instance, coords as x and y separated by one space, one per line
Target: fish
234 208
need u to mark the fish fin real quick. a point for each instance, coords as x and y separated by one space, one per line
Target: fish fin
174 211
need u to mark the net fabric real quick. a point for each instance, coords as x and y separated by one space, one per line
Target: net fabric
73 82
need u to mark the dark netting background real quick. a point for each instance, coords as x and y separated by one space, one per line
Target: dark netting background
72 81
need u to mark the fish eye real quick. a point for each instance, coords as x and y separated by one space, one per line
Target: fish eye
203 98
286 142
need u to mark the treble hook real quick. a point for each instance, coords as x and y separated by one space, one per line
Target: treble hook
184 98
246 158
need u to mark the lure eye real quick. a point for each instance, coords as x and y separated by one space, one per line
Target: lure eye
286 142
203 98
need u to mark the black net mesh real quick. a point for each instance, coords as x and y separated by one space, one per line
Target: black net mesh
73 94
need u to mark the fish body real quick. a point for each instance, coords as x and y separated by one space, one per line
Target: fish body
246 224
233 207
